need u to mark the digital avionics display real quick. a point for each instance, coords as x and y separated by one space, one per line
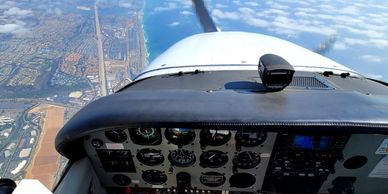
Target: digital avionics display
312 143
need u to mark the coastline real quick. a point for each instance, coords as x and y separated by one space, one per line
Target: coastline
143 42
144 33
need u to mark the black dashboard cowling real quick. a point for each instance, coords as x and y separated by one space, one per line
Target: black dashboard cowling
340 110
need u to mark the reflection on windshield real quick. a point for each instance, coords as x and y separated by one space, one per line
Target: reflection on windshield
56 55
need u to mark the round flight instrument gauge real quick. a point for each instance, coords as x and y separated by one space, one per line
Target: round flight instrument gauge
150 157
179 136
182 157
213 159
213 137
146 136
246 160
250 138
154 177
117 135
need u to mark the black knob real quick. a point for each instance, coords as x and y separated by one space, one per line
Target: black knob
183 180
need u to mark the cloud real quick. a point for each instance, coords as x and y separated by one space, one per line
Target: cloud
225 15
236 2
350 10
306 9
15 11
186 13
340 46
375 76
276 5
354 41
167 6
219 5
125 4
371 58
379 43
276 12
173 24
248 15
17 29
251 3
286 25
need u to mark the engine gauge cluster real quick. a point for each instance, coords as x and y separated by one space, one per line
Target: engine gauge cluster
151 157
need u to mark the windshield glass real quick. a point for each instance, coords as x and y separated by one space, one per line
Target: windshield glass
352 33
58 55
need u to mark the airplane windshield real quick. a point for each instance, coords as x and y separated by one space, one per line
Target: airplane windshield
56 56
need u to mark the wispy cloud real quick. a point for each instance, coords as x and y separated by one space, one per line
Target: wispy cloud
167 6
371 58
217 13
251 3
173 24
186 13
15 11
219 5
375 76
17 29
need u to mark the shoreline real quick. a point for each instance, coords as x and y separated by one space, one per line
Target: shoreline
144 38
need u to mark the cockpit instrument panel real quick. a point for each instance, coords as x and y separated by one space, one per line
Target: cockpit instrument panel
230 160
156 156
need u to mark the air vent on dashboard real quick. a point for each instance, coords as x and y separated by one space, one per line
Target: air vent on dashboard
309 83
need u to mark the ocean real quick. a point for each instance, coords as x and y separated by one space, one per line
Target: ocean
164 28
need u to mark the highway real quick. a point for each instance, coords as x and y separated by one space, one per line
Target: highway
101 63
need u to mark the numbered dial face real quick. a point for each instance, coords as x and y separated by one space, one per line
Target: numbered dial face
180 136
117 136
250 139
146 136
246 160
213 159
181 157
214 137
150 157
154 177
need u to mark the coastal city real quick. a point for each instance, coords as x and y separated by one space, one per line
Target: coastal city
63 55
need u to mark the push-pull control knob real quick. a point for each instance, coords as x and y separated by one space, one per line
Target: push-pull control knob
183 180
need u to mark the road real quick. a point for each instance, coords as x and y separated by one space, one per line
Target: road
101 63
